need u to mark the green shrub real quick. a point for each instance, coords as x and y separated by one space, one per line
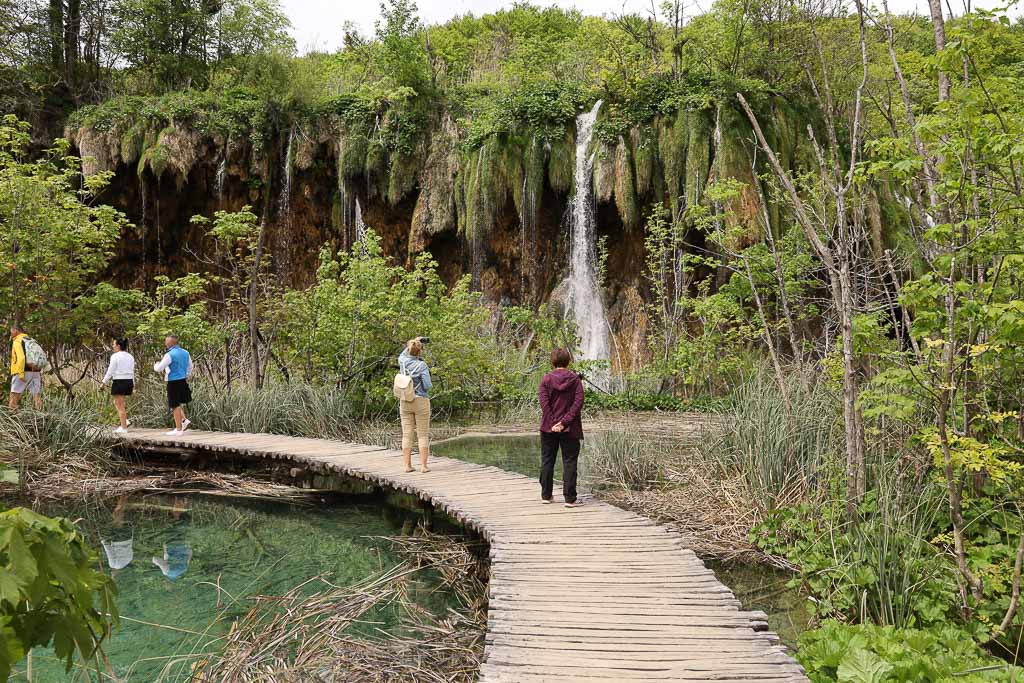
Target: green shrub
875 654
49 591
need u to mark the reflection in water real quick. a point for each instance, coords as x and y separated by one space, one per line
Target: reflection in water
175 561
119 552
213 557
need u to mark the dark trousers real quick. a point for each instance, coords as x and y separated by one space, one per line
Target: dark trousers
550 442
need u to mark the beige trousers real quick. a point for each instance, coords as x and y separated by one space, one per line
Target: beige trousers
415 416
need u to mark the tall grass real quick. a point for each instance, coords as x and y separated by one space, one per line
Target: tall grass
625 459
296 409
895 542
783 455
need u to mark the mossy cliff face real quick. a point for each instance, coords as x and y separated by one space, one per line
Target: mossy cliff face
494 210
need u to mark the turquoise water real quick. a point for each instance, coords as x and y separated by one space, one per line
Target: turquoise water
513 453
196 560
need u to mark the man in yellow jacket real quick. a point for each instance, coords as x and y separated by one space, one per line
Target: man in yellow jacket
23 378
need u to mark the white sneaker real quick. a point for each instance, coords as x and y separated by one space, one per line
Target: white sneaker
173 432
120 430
185 423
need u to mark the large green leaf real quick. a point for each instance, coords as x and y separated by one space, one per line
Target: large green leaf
862 666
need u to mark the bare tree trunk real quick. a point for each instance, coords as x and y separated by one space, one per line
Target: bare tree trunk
939 29
1011 610
954 486
769 339
840 285
780 278
72 29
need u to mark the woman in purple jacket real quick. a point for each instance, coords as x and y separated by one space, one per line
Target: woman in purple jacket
561 400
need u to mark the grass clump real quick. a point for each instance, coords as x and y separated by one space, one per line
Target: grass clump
782 454
623 459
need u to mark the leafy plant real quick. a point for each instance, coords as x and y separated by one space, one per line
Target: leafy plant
49 592
867 653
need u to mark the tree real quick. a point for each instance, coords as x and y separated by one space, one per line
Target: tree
173 44
403 57
53 246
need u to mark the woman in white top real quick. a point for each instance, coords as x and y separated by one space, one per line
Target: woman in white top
121 375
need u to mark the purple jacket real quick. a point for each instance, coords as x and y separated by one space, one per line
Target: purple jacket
561 400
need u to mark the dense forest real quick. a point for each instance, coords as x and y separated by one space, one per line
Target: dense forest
803 217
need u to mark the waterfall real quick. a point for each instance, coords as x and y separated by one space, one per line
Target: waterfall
584 300
360 227
344 198
284 202
222 169
528 229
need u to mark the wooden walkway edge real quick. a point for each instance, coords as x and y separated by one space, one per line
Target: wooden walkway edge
593 593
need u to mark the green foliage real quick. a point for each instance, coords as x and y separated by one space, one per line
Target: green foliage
351 325
867 653
169 45
56 243
49 592
881 570
403 58
232 113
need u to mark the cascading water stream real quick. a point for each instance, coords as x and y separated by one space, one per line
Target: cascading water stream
222 169
284 201
584 301
360 227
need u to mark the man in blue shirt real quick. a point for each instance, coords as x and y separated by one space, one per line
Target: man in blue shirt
176 366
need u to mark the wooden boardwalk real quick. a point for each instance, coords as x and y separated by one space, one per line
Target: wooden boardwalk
593 593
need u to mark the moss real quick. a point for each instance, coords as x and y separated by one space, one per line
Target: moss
643 147
673 140
700 130
435 209
490 175
604 172
352 149
133 139
156 159
375 168
733 159
625 186
401 176
562 162
527 193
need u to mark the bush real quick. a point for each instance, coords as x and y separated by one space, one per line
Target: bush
872 653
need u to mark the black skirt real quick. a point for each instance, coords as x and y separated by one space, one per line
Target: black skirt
122 387
178 393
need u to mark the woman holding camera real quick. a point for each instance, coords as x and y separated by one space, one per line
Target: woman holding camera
415 414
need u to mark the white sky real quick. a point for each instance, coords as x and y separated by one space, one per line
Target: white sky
317 23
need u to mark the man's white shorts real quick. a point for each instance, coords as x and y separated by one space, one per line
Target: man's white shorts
33 382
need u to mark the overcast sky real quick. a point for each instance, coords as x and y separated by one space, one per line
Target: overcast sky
317 23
